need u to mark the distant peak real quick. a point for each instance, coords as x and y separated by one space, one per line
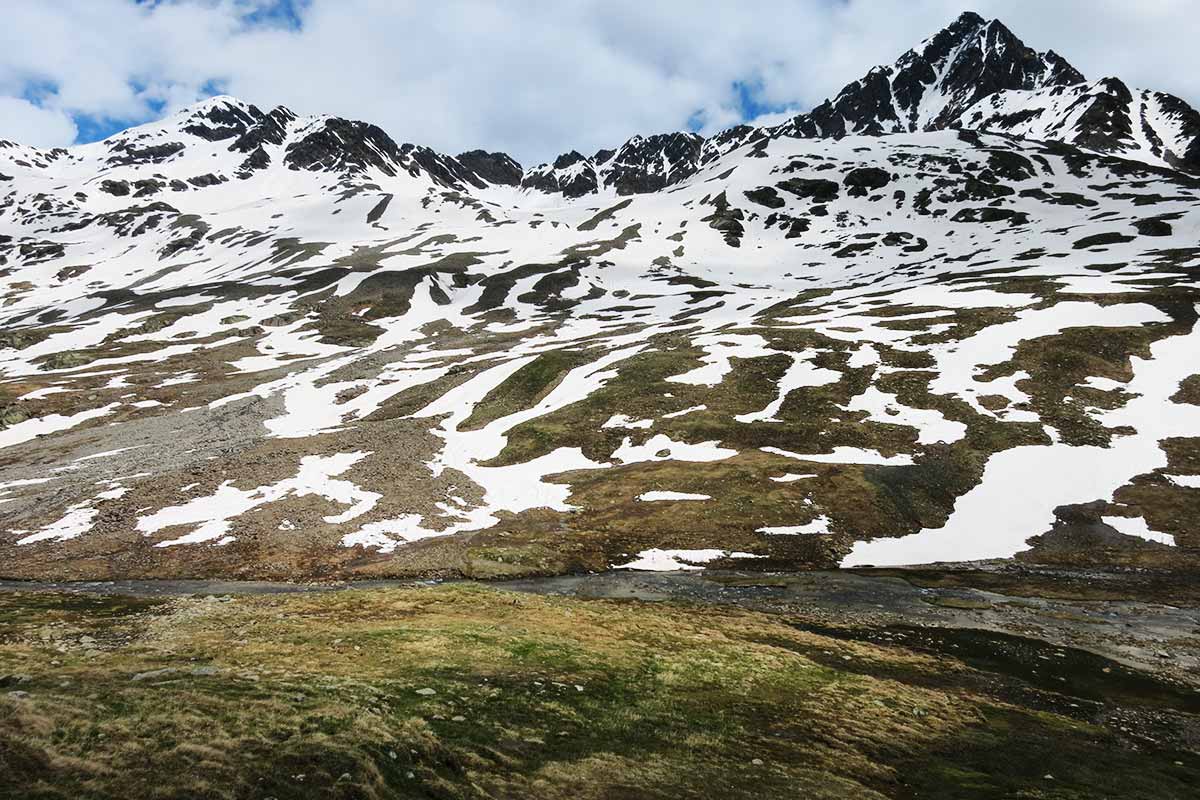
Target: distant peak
219 101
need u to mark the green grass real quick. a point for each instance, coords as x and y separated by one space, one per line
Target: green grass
322 696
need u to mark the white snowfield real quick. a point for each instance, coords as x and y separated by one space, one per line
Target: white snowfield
763 332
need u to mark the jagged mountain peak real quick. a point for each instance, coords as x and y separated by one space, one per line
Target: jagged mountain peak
931 86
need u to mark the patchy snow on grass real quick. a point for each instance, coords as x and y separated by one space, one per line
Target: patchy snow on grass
930 424
800 373
958 362
864 356
657 560
820 525
211 516
661 447
386 535
38 394
1103 384
76 522
650 497
78 519
178 380
1022 486
719 348
791 477
622 421
1136 526
1188 481
846 455
685 411
51 423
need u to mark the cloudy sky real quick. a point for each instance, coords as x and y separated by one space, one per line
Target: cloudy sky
530 77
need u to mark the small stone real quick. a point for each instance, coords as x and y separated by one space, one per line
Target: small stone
426 692
154 673
758 762
458 718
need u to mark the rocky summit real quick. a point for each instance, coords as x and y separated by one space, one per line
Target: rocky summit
947 315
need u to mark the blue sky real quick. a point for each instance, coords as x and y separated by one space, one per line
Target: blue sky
529 77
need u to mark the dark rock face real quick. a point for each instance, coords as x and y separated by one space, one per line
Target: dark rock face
258 159
641 165
861 182
1188 119
147 187
495 168
223 121
200 181
816 189
571 174
126 153
795 227
652 163
765 196
1106 123
1080 531
727 220
115 188
342 145
270 129
444 170
1155 226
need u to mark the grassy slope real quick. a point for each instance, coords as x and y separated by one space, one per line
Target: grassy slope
317 696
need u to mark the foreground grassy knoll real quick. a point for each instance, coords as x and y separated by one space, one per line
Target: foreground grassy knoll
469 691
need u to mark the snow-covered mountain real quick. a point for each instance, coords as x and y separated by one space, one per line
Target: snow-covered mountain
975 74
949 314
1105 116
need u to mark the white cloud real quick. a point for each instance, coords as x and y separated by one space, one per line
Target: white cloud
536 78
22 121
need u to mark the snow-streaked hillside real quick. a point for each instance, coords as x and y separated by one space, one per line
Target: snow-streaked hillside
247 343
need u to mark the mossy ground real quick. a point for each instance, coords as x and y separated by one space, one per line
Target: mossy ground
328 695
